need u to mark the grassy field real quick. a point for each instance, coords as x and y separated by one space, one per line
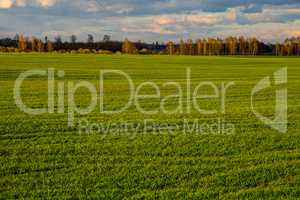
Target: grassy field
41 157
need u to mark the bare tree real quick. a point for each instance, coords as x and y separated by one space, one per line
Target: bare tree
106 38
90 39
40 46
73 39
182 48
58 39
34 44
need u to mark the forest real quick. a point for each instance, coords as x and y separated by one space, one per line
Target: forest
204 46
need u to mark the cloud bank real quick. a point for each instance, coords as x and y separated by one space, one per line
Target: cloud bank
152 19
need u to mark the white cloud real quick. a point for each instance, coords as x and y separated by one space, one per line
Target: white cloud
5 4
273 14
46 3
271 32
200 19
20 3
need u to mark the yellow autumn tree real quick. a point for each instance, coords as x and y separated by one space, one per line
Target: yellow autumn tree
22 43
49 46
170 48
128 47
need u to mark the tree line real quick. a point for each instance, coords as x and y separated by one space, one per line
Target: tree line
206 46
234 46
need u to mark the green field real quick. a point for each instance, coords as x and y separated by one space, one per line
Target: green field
41 157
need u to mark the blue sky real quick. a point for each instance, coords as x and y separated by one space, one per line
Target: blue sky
151 20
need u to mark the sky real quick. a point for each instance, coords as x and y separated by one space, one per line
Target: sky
151 20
